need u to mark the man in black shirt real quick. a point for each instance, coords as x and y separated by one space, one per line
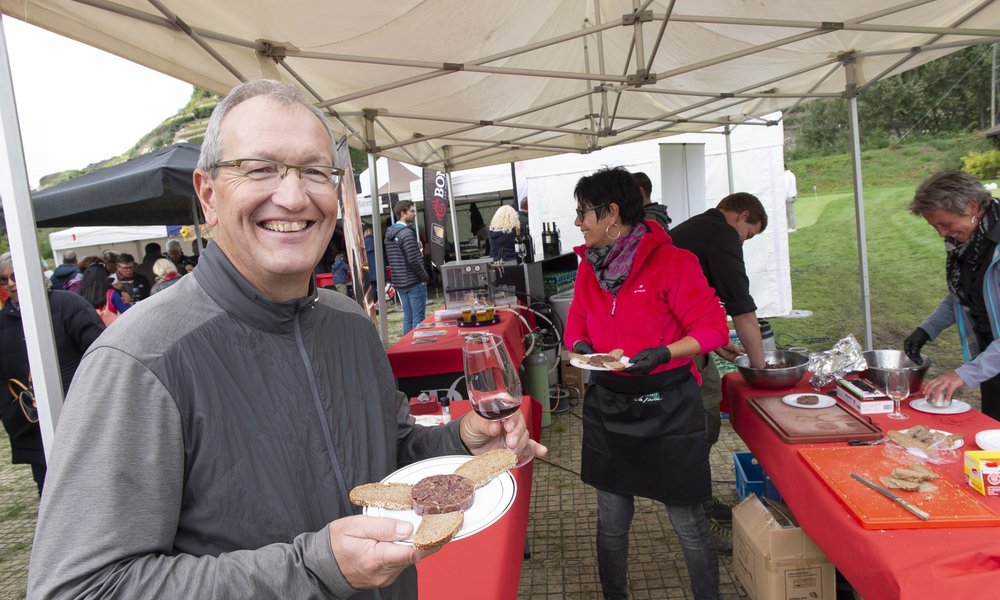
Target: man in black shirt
716 237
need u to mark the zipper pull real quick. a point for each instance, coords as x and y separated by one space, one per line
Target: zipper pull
614 303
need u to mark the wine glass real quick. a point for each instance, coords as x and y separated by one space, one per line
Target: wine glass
494 389
897 387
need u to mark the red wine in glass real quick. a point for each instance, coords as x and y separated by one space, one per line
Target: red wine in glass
495 407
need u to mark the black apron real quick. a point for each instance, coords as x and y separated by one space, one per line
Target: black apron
645 436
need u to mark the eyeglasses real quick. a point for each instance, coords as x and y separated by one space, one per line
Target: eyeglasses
580 213
270 172
5 278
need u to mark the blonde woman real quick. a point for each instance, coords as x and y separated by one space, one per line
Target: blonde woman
503 230
166 274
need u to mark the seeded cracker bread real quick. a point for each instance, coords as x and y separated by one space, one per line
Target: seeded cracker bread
393 496
437 530
483 468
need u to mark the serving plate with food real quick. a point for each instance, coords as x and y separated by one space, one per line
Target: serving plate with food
809 400
600 361
445 498
924 442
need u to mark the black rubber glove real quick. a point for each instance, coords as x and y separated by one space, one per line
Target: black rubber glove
914 343
648 359
582 347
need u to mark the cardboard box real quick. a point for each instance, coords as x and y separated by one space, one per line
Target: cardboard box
865 406
982 471
778 563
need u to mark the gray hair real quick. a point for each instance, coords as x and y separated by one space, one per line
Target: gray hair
282 93
951 191
69 257
162 266
173 243
6 261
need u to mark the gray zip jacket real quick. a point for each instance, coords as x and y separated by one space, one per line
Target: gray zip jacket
209 437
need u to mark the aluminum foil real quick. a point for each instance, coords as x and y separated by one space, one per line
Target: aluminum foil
833 364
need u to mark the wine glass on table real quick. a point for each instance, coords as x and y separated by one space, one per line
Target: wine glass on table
494 388
897 387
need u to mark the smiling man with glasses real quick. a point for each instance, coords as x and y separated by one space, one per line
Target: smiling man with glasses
226 419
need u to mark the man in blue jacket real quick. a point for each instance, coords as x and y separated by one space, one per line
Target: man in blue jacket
406 262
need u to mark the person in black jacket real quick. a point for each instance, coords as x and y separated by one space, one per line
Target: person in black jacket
503 232
75 325
65 272
406 263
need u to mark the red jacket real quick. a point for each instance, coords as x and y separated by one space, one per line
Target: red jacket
664 298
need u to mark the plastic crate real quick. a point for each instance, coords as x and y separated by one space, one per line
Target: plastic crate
770 490
749 475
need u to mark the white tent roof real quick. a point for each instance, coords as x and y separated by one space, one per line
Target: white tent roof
489 82
393 177
79 237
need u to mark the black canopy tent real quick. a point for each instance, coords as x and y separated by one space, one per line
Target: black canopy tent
153 189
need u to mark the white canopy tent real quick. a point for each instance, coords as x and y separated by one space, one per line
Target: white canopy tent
93 240
461 84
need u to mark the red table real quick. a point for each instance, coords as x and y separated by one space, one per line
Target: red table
488 562
911 564
444 354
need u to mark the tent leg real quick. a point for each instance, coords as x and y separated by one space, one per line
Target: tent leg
377 234
451 202
27 260
859 202
729 156
196 222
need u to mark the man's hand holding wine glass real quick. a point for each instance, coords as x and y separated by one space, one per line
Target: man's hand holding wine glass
482 435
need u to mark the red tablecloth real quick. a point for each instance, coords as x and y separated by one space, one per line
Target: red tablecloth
911 564
488 562
444 354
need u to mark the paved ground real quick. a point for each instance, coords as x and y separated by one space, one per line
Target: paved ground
563 521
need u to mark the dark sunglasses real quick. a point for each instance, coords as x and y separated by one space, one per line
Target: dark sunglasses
4 279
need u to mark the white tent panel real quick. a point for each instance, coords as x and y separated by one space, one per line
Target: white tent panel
87 241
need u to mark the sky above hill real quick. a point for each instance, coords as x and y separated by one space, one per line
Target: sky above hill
78 105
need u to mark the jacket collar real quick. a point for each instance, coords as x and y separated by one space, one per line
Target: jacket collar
227 287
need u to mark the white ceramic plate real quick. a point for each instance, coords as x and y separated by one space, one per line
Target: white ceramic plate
491 502
988 439
921 454
824 401
957 406
579 363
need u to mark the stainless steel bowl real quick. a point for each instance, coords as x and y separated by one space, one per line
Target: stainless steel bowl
880 362
774 379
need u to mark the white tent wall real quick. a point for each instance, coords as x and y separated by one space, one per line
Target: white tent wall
92 241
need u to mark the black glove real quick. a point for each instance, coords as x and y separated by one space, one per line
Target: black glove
648 359
914 343
582 347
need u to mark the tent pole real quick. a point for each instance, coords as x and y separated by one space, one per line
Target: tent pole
451 202
194 220
859 199
729 156
20 221
378 236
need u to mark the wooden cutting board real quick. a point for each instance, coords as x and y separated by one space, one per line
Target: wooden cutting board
813 425
951 506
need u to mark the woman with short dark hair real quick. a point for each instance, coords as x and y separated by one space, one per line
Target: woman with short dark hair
644 431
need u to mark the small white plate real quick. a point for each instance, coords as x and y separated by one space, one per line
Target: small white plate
988 439
824 401
579 363
491 502
956 407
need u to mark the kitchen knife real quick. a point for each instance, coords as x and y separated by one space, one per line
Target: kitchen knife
922 515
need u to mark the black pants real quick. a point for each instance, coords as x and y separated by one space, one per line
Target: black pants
990 390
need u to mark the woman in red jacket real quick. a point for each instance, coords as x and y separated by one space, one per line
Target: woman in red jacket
644 427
